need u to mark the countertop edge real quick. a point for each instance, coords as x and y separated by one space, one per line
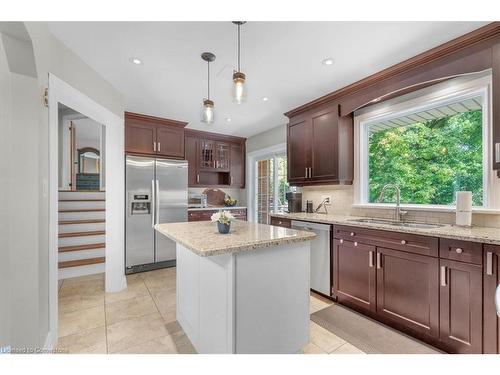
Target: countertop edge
433 232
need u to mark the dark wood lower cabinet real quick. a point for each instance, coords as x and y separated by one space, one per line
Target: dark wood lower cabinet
205 215
354 280
408 291
461 320
491 280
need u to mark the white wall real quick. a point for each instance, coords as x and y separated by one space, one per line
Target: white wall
26 292
269 138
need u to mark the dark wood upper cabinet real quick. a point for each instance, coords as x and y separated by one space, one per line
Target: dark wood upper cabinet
298 149
140 138
191 148
461 320
408 291
215 160
237 165
320 148
491 280
170 141
149 135
354 277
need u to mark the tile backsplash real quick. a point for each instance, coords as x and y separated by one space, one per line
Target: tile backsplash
238 194
342 199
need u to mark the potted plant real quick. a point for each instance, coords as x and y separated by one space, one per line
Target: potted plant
223 219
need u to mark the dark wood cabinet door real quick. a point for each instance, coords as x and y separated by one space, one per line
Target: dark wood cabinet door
191 150
237 165
170 141
408 290
140 138
324 146
298 150
206 154
491 280
222 156
461 321
281 222
354 277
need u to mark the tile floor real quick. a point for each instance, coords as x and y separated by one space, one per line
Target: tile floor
141 319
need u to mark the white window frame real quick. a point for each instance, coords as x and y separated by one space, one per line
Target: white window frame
435 96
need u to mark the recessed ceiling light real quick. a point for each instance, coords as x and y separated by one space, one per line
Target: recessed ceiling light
328 61
228 119
135 60
265 98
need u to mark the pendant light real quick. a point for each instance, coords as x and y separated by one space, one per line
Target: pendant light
208 105
239 87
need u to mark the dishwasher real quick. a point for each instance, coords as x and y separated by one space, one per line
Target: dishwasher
320 255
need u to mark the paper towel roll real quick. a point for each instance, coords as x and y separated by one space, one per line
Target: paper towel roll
464 201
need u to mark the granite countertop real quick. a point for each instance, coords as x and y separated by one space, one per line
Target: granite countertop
474 234
214 208
203 239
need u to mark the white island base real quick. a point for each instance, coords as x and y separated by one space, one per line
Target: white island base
246 302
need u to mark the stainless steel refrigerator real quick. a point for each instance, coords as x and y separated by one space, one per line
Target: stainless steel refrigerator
156 192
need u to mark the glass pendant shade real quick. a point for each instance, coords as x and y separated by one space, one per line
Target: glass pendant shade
239 88
208 111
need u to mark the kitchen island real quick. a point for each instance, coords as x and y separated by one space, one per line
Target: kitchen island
243 292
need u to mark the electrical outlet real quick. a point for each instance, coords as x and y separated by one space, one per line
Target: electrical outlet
327 199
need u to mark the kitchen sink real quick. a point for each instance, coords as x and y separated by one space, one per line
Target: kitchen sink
407 224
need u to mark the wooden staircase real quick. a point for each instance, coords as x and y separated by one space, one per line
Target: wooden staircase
82 236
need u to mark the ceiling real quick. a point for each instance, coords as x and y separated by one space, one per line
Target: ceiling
282 61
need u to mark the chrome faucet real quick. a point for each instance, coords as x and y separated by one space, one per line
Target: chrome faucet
322 204
398 214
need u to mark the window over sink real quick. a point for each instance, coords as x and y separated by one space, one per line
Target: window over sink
431 143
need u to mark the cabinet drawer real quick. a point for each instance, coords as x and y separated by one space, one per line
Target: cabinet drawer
463 251
199 215
411 243
280 222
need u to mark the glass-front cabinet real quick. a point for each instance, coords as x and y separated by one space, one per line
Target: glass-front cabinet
214 155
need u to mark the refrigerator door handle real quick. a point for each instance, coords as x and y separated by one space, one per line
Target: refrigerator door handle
153 203
157 203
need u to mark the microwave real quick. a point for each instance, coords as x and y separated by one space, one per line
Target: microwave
197 201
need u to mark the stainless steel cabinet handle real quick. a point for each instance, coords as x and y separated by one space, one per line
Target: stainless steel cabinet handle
231 180
157 204
370 258
403 242
489 263
497 152
459 250
379 261
306 173
159 147
352 234
341 241
355 244
154 146
443 275
152 203
198 178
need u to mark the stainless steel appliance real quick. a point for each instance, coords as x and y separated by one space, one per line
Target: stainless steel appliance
320 277
156 192
294 201
198 200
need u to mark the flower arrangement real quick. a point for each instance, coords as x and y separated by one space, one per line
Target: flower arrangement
223 219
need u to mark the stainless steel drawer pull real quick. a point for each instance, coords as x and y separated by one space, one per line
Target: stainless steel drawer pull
443 275
352 234
159 147
459 250
355 244
154 146
341 241
370 258
379 261
489 263
403 242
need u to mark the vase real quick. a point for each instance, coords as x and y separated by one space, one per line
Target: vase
223 228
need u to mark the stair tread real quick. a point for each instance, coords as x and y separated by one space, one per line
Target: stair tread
81 234
83 210
90 246
81 262
83 221
81 191
82 200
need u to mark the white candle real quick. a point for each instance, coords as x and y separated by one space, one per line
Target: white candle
464 208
